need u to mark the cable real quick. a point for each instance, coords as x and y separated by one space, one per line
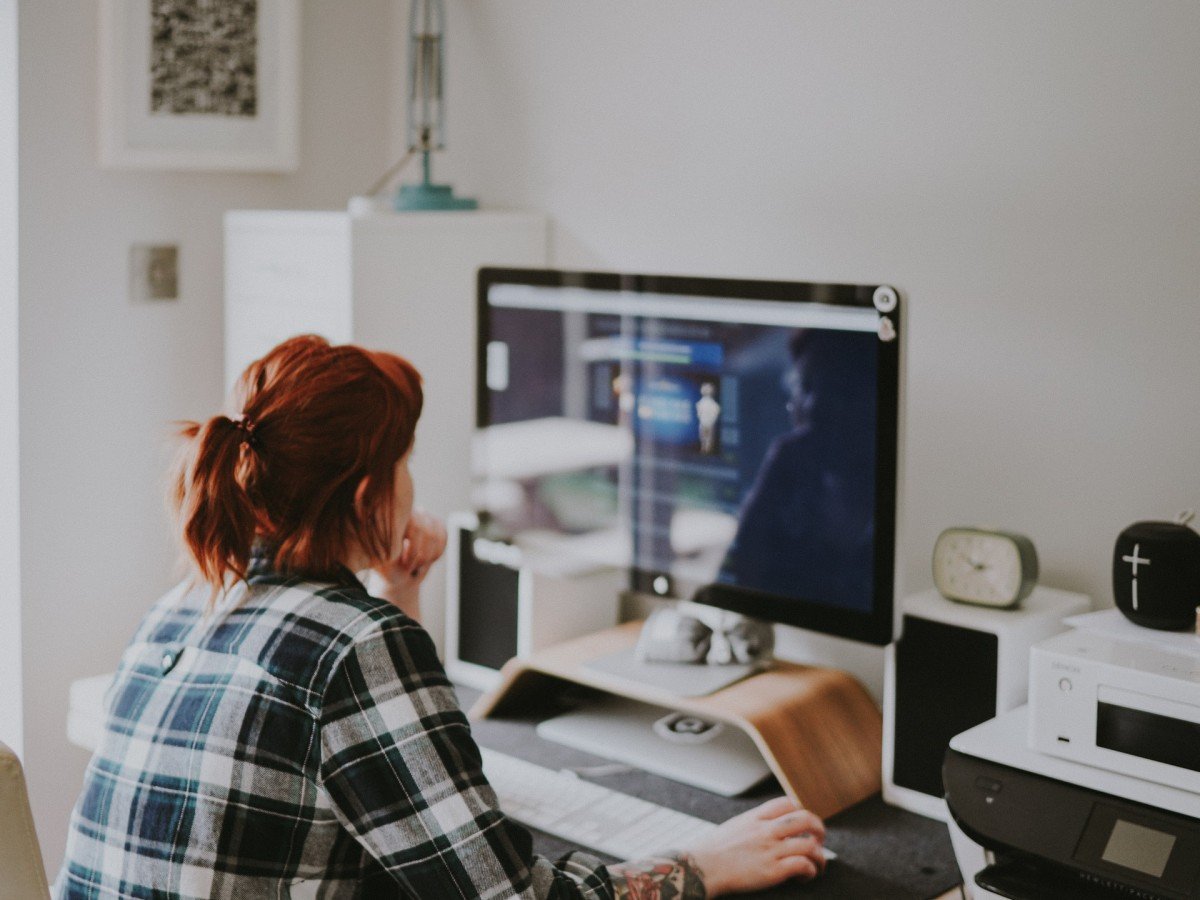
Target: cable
391 173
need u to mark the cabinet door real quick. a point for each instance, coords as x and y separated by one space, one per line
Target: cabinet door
285 274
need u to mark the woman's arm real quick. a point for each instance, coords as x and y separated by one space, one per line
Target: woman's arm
399 579
674 875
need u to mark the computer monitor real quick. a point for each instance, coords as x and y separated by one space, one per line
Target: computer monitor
728 441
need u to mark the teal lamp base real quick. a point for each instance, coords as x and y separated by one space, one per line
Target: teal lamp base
412 197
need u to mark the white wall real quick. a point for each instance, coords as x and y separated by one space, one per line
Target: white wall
10 533
102 378
1026 172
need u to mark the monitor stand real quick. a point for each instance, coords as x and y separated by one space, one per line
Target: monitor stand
817 729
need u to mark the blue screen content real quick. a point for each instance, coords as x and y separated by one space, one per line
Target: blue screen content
710 441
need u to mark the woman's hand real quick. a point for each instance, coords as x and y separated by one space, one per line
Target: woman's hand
423 543
760 848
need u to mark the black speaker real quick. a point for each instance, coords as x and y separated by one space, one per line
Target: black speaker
1156 575
953 667
945 684
487 607
502 602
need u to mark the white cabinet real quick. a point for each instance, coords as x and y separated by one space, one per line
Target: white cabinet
285 273
403 282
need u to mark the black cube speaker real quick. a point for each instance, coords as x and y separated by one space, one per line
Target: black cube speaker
953 667
502 603
1156 575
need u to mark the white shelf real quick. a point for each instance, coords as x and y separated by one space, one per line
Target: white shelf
1112 623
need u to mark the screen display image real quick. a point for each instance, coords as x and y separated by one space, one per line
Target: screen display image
1139 848
736 443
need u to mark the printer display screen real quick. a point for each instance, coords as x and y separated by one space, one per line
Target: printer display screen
1142 847
1139 848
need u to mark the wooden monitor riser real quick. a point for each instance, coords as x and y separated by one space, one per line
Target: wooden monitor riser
818 729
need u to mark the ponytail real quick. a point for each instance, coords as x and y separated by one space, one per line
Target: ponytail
216 515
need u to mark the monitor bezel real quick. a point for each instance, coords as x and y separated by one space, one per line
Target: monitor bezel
875 627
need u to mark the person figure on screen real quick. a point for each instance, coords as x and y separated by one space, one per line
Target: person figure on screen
622 386
275 729
806 525
708 410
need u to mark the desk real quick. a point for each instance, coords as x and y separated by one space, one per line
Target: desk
872 839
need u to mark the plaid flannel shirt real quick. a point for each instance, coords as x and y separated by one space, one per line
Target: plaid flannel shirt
301 741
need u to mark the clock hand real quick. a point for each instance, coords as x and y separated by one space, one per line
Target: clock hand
984 569
978 567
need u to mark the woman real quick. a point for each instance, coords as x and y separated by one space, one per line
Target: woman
276 731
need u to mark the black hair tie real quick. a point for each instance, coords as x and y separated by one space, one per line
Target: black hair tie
246 425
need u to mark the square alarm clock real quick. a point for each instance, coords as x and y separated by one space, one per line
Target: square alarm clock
984 566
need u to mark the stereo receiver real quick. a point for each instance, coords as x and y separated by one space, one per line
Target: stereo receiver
1120 705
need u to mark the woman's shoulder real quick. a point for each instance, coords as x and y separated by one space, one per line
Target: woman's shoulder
173 615
335 614
335 626
353 610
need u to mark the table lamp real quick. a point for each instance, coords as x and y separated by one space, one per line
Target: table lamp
426 108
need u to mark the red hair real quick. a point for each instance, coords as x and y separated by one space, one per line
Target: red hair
308 467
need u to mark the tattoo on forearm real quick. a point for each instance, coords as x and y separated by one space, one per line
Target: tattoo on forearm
672 877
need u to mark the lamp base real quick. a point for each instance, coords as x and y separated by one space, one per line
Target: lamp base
412 197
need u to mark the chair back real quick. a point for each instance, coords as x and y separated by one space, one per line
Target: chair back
22 875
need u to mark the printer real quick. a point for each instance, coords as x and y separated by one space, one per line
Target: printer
1054 829
1093 789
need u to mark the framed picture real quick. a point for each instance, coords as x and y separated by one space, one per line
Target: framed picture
200 85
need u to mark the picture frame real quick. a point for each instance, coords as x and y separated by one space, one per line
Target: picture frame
199 85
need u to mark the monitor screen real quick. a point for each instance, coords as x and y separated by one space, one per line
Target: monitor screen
729 441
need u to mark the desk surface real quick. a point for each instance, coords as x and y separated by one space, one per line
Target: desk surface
882 851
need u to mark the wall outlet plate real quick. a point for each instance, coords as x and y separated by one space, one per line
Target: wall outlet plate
154 272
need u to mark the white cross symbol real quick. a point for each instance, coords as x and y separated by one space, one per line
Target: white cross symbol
1133 563
1135 559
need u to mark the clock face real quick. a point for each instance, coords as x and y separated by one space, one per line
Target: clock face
984 567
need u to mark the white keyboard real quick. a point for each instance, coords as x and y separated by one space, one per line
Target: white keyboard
588 814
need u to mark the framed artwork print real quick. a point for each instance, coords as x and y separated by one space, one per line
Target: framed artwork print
200 85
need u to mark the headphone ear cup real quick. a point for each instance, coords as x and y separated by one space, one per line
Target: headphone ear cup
1156 575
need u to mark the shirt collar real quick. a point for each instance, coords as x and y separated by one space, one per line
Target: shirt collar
261 565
